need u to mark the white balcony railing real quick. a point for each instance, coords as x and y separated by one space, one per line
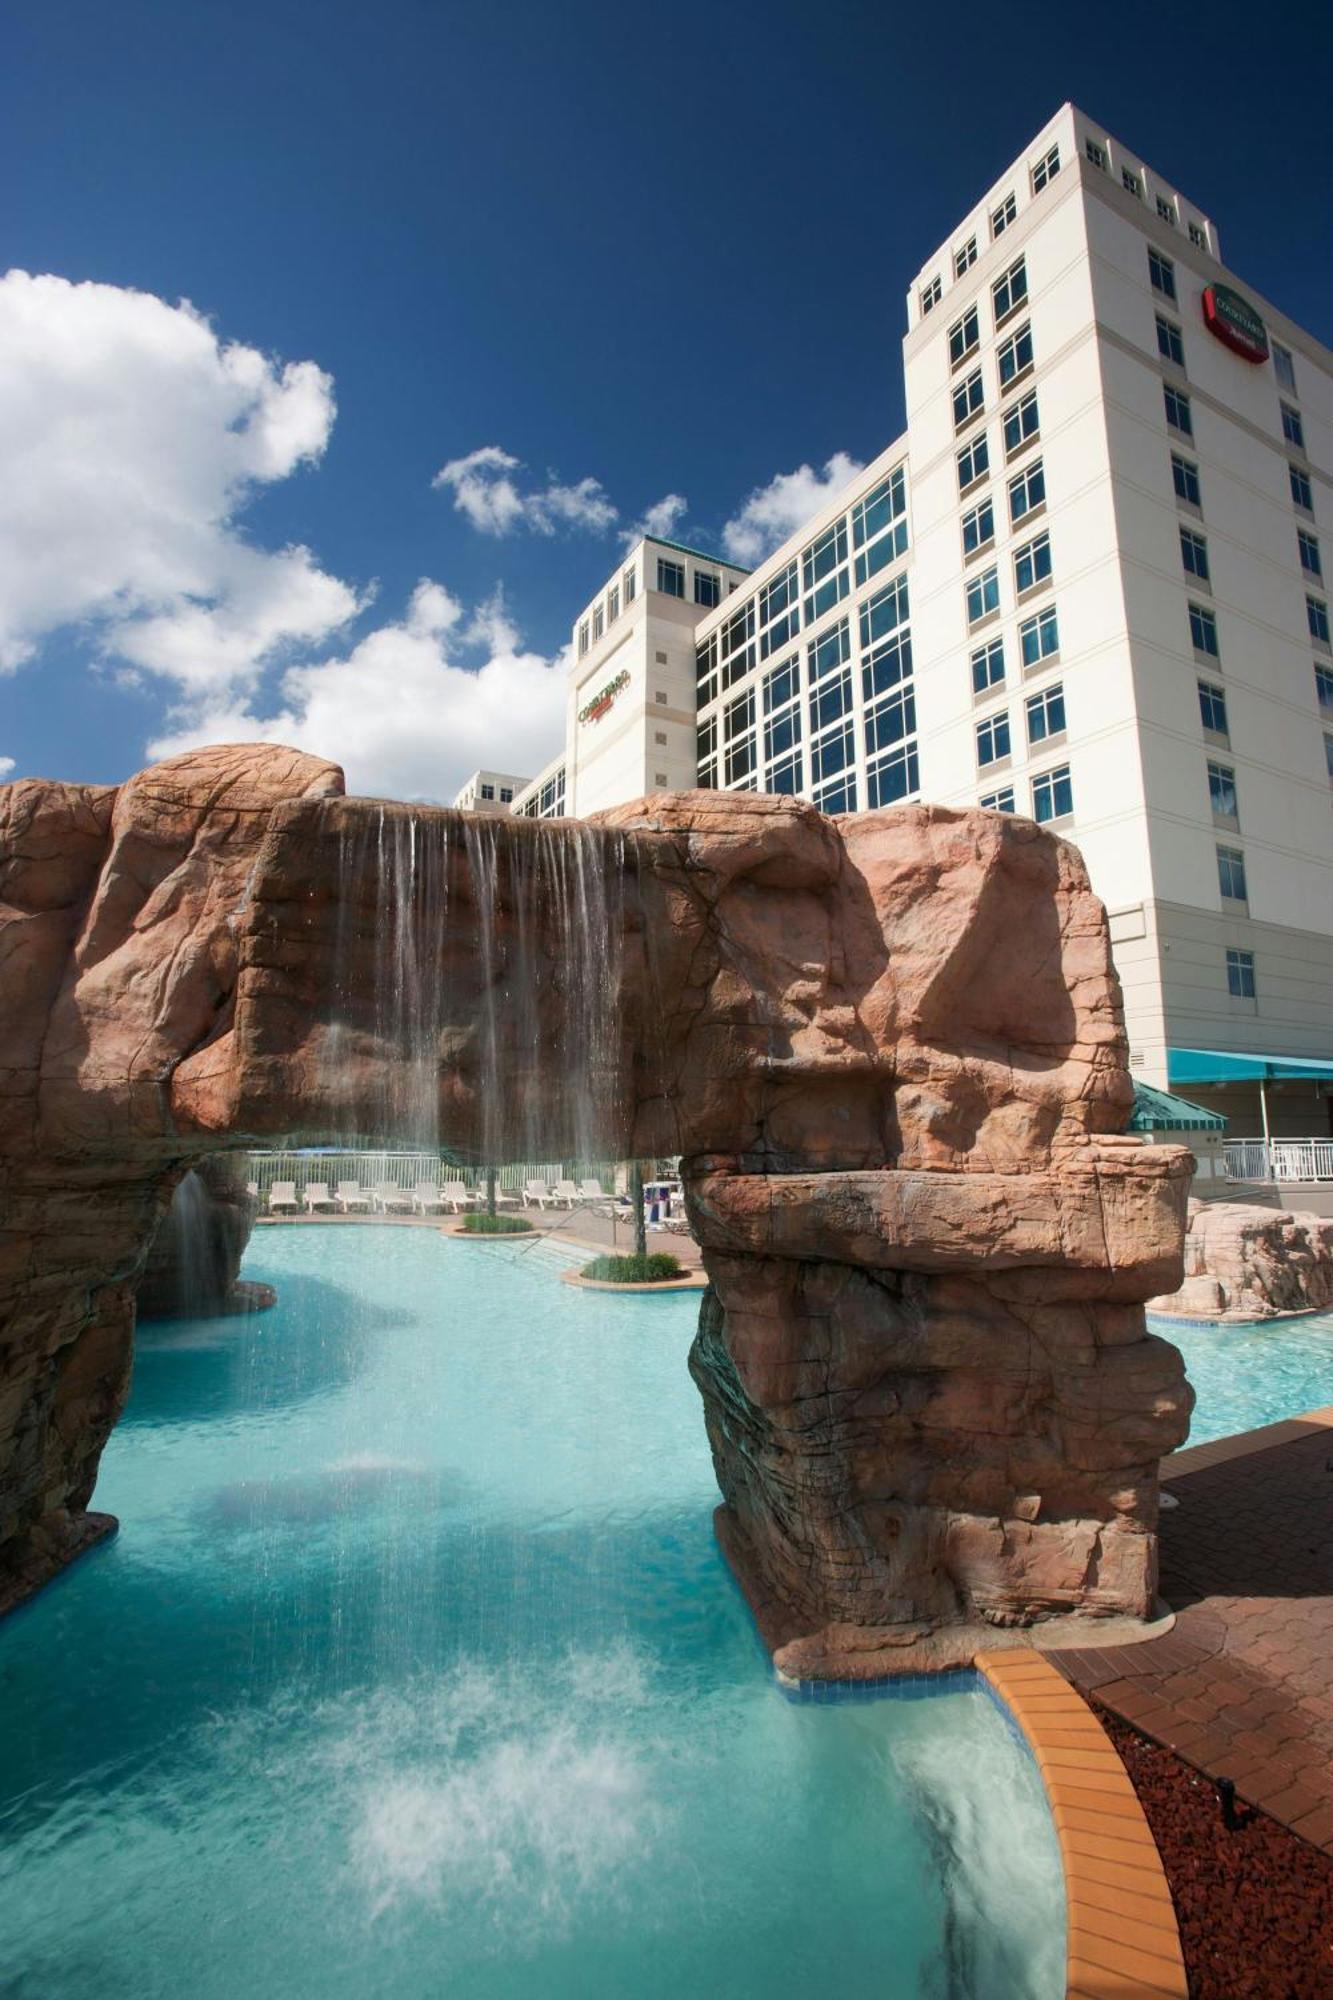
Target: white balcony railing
1307 1160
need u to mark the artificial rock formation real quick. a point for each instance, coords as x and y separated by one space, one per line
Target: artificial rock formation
193 1268
888 1050
1248 1263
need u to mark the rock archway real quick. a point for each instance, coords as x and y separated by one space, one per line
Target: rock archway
888 1049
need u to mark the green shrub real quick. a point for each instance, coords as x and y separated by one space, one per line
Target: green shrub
482 1224
648 1270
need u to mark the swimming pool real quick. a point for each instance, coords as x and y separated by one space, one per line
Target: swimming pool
415 1671
1252 1374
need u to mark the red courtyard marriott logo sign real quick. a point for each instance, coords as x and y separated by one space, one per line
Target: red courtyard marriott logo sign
601 701
1235 323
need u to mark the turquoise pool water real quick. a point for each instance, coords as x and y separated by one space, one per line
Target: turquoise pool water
1254 1374
415 1672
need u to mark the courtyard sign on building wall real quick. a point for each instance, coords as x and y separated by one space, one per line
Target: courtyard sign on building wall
602 700
1235 323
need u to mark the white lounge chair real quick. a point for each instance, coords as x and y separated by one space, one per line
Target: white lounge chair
590 1190
350 1195
427 1198
390 1200
454 1195
282 1196
566 1192
317 1196
537 1193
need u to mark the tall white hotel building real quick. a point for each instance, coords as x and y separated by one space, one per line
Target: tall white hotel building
1087 584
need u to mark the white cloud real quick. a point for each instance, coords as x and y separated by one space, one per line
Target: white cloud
485 491
661 519
401 712
133 438
6 766
777 510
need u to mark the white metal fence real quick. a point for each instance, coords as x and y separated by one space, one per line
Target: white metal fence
1308 1160
399 1170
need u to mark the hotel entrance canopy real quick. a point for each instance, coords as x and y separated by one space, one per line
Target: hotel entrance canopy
1220 1066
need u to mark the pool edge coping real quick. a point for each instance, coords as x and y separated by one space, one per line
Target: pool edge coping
1242 1444
1122 1936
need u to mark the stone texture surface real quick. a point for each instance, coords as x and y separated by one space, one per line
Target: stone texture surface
1247 1263
888 1049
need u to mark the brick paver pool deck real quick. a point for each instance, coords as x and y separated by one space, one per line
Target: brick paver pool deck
1242 1688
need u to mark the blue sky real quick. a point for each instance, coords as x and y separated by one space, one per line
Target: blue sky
665 253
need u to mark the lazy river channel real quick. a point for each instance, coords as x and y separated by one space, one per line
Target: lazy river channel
415 1671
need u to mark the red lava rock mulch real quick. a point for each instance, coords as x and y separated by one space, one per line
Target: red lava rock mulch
1254 1905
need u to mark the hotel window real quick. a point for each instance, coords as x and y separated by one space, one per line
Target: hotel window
988 667
973 462
830 699
978 527
884 612
833 753
1309 548
832 649
1323 685
1316 617
782 728
613 604
1185 479
983 595
879 526
1284 366
967 399
999 802
785 774
993 739
1178 411
1197 237
964 337
1032 564
887 666
1169 343
1052 795
930 295
1027 491
1046 715
1132 182
737 645
1240 974
965 257
1194 554
781 685
1328 757
631 585
598 623
705 752
779 616
892 720
670 577
705 672
1161 273
1015 356
1302 493
1203 630
1096 153
839 797
1002 216
1039 638
740 740
1213 708
583 637
824 571
1010 290
707 588
1166 210
1046 169
506 795
893 777
1292 428
488 791
1222 792
1231 874
1021 424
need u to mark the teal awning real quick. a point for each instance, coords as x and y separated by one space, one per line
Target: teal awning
1159 1111
1221 1066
